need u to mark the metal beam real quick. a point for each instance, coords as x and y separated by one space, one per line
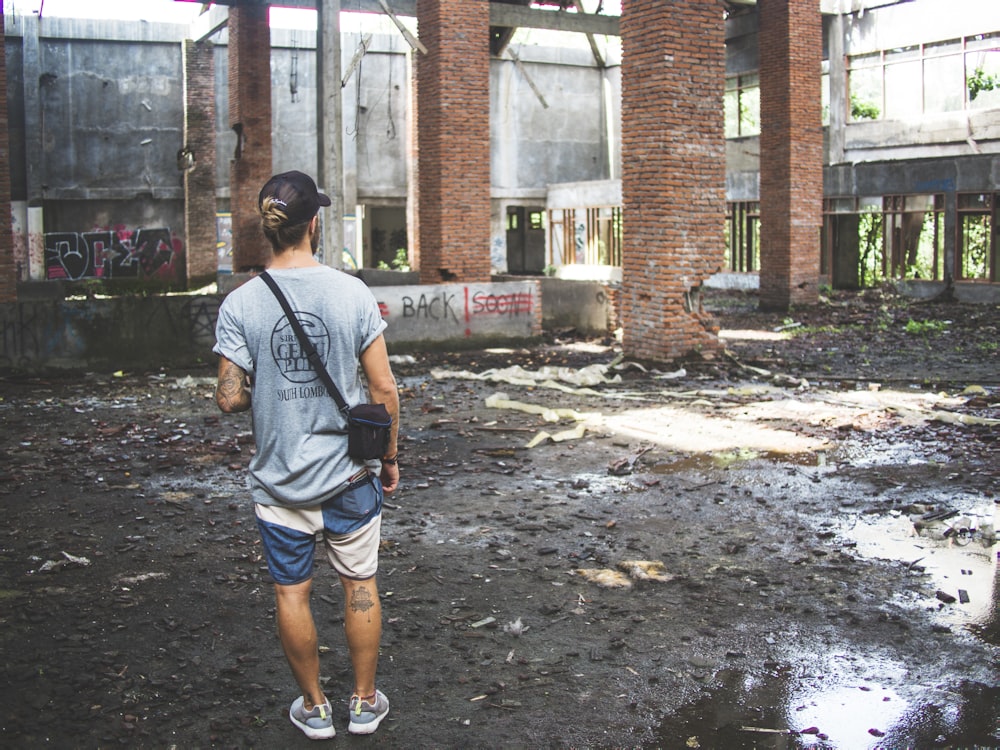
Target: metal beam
407 35
598 57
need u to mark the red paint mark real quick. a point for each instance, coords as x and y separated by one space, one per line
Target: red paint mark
517 303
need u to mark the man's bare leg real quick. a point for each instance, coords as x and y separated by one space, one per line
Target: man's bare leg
363 628
297 632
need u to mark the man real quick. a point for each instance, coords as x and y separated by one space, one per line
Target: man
301 478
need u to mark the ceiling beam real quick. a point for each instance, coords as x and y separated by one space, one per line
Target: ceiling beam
512 16
516 16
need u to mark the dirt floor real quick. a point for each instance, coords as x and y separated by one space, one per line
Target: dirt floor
785 544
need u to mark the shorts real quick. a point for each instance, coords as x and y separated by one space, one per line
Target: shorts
350 523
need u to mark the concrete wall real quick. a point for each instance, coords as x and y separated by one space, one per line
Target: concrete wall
121 86
549 119
875 144
147 332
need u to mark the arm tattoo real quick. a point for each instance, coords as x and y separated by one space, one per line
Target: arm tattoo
231 392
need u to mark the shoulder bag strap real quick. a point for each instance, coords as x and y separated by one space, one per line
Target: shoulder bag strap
305 343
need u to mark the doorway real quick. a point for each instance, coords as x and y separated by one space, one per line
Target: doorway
525 240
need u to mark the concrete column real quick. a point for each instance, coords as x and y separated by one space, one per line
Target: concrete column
673 173
8 269
791 147
34 155
839 104
331 130
950 237
453 135
198 160
250 117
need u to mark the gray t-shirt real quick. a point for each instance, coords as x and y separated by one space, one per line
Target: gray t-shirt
300 434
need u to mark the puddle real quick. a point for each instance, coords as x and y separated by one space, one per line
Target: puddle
863 455
954 552
723 459
829 709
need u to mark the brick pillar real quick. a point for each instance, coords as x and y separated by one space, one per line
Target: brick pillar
199 155
413 168
791 148
453 135
250 117
673 173
8 270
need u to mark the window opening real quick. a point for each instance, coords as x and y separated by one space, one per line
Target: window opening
947 76
914 236
869 240
743 236
976 253
741 102
591 235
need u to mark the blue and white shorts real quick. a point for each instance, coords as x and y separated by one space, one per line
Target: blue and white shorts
350 523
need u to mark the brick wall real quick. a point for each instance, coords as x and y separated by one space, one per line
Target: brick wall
250 117
8 273
199 179
791 147
673 173
453 134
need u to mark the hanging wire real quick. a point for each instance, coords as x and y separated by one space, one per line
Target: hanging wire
391 130
293 77
357 101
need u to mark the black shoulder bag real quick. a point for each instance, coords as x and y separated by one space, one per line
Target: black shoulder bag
367 424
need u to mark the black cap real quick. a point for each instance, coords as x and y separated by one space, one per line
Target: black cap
296 194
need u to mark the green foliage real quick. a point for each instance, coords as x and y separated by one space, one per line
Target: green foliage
870 249
400 263
923 327
861 110
980 80
975 234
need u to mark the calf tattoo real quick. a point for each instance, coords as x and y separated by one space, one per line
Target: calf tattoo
361 601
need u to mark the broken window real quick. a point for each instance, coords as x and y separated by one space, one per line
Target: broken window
943 62
902 76
982 70
742 105
948 76
864 79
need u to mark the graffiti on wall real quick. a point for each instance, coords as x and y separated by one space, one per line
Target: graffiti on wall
126 330
116 253
448 310
443 305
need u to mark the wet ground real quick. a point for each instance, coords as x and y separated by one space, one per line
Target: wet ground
787 545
